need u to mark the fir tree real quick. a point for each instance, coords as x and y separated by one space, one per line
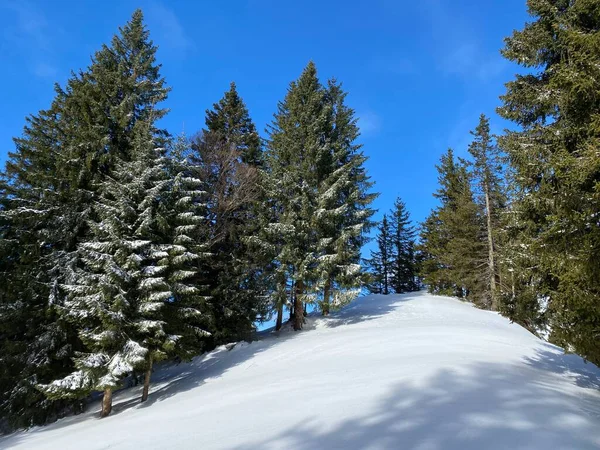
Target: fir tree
555 157
231 120
188 313
381 261
298 153
403 257
452 236
116 281
487 172
344 211
66 153
228 155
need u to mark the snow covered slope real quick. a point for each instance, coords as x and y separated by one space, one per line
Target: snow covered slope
400 372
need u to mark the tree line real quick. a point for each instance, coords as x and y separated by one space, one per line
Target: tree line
518 225
123 245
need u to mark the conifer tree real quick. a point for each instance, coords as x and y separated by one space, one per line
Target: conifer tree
188 314
229 156
452 236
116 281
53 176
403 256
344 212
381 261
488 177
130 286
298 150
554 154
231 120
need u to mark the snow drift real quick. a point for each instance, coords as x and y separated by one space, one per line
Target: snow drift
402 371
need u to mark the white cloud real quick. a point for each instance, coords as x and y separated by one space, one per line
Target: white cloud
168 29
29 24
457 49
29 31
369 122
467 60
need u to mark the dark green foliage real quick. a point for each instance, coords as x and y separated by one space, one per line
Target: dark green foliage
50 182
120 247
403 237
381 262
228 156
298 161
557 166
343 214
230 120
451 237
489 184
319 190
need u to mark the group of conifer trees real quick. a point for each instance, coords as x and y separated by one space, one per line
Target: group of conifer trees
123 246
458 248
393 265
518 226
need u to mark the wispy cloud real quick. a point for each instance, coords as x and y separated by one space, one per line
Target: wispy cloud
28 23
168 29
469 61
369 122
29 31
458 51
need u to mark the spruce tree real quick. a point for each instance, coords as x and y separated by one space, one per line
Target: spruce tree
554 154
188 314
34 344
115 281
487 170
452 236
403 257
53 176
344 212
298 152
381 261
230 119
433 240
229 157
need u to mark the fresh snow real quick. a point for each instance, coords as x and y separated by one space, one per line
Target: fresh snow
400 372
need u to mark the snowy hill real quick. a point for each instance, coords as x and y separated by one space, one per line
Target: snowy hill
402 372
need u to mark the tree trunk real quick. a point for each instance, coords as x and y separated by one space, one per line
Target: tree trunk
298 306
512 282
106 402
326 295
147 380
491 262
279 317
385 280
292 301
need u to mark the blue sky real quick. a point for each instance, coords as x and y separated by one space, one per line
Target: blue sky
418 73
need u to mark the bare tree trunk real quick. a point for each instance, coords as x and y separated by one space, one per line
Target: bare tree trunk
279 317
147 380
106 402
298 306
491 262
326 295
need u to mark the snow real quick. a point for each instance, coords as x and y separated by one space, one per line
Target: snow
400 372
